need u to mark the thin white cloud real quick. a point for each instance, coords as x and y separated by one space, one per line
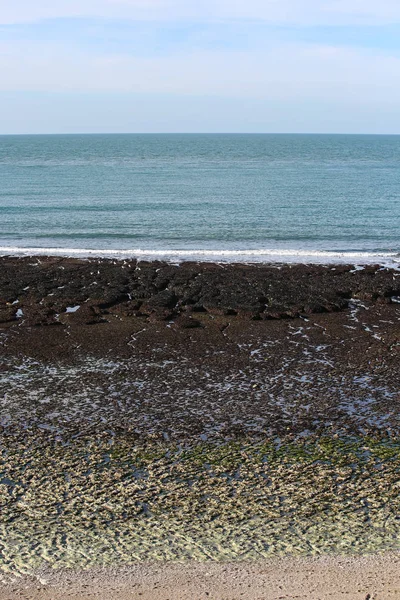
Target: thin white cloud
296 12
279 71
299 77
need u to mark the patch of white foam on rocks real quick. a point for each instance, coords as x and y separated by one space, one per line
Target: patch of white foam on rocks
72 309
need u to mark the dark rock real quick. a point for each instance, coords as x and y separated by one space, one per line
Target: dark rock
7 314
85 315
162 314
188 323
199 308
164 299
127 289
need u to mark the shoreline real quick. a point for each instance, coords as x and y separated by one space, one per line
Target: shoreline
260 256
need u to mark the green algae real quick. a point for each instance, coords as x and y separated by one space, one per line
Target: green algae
233 454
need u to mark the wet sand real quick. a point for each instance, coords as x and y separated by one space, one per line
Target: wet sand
367 578
153 412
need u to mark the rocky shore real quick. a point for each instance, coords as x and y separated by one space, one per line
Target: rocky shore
46 287
198 411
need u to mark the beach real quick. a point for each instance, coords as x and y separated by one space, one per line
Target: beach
224 416
367 578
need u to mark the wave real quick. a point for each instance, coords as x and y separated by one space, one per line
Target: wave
264 255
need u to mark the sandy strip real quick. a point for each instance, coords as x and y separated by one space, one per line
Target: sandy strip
326 578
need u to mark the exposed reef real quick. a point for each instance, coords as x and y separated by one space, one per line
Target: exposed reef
198 411
43 288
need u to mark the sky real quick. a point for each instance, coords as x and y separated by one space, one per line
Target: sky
290 66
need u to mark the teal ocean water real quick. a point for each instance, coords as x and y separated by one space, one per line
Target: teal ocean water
319 198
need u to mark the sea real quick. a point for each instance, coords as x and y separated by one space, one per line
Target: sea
219 197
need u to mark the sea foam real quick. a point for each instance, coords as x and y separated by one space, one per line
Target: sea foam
261 255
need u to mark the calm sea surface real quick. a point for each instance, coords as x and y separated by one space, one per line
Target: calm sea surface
230 197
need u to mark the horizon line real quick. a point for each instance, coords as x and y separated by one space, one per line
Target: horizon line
197 133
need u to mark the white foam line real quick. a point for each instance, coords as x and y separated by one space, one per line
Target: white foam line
261 254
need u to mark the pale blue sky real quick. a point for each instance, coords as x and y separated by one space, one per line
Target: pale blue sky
211 65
